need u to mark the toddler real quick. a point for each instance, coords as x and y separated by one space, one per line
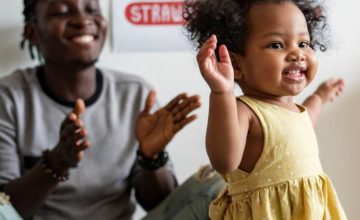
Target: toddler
262 143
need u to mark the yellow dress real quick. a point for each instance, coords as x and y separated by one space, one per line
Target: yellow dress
287 181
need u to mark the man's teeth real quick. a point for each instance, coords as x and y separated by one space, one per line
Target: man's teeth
85 39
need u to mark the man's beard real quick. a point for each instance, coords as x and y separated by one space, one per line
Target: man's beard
85 64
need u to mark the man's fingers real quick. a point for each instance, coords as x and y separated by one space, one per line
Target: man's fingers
175 101
69 128
85 144
70 118
79 107
76 152
150 101
189 101
178 126
76 138
183 112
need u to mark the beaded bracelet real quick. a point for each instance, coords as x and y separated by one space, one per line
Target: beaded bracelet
152 164
51 172
4 199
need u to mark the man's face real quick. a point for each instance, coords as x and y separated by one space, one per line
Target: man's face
69 31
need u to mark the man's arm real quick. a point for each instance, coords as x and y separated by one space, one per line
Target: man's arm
153 186
154 132
28 192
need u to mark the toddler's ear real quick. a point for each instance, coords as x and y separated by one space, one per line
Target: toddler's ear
235 61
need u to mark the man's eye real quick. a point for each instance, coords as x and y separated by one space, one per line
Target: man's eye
59 10
276 45
93 7
59 13
92 10
304 44
56 13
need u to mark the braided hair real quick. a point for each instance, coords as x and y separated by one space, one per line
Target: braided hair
29 15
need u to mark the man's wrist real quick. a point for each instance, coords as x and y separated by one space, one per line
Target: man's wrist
152 164
58 172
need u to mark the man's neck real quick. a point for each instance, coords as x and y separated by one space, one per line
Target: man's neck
71 84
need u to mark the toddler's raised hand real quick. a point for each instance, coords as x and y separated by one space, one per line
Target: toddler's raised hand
218 74
70 148
330 89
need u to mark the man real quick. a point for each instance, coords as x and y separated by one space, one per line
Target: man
109 142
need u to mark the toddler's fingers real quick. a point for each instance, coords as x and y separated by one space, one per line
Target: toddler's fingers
341 83
203 55
211 41
224 54
207 49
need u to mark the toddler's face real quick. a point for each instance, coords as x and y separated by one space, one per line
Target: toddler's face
278 59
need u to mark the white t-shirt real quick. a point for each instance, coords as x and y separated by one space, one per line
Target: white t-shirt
101 186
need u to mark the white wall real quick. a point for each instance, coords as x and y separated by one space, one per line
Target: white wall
172 73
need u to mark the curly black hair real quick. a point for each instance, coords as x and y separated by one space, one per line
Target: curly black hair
227 19
29 16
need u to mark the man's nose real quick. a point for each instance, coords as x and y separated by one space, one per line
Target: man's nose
81 20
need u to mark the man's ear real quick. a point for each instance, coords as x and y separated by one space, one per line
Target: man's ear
31 34
236 63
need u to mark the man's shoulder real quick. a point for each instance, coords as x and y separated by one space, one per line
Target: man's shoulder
19 78
121 79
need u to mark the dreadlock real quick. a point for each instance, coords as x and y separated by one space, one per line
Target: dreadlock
29 15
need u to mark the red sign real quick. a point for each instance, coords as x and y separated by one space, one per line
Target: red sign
155 13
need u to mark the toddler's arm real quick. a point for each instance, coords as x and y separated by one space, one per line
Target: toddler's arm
326 92
223 143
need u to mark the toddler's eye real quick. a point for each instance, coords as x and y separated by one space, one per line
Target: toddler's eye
276 45
304 44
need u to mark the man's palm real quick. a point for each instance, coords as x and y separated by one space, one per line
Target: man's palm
154 131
